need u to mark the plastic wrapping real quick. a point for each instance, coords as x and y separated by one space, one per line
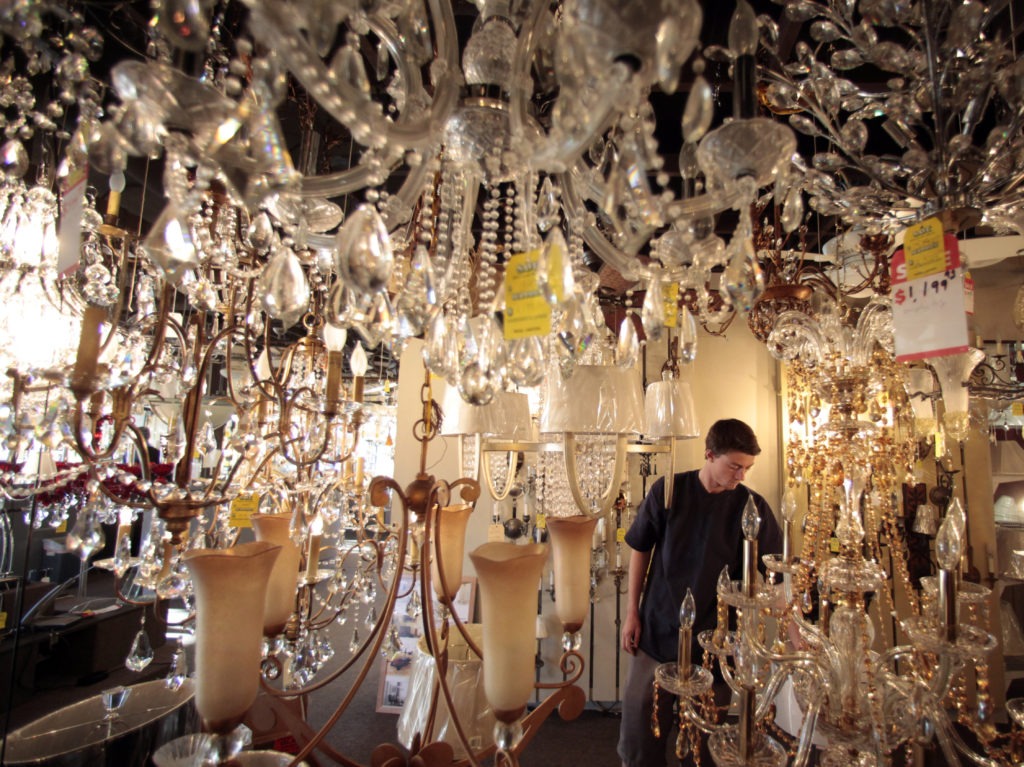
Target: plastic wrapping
597 399
465 680
669 410
507 416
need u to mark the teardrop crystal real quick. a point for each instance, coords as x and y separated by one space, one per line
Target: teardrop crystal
653 312
627 351
699 111
364 258
141 653
283 288
526 361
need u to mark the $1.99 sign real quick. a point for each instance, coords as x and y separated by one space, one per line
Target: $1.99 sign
929 313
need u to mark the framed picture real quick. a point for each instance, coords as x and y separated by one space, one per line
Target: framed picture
396 671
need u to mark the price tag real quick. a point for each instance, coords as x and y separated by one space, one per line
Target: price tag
1017 409
833 545
542 521
670 293
71 200
62 527
495 533
3 621
929 313
924 245
527 313
620 535
242 508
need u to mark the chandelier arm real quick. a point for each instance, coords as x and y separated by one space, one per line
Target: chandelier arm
378 489
432 545
498 494
951 742
607 498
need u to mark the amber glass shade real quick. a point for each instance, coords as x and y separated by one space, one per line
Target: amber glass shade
508 576
230 587
275 528
571 541
451 545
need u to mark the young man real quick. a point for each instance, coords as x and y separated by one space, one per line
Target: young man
685 546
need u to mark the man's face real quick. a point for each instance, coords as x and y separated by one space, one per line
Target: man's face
729 469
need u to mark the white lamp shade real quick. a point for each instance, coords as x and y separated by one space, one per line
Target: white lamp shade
597 399
506 416
669 410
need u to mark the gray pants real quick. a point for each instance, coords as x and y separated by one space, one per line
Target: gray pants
638 747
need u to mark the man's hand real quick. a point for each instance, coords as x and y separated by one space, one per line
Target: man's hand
631 633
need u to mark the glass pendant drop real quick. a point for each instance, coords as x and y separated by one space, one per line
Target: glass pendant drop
283 287
627 351
687 336
141 653
653 312
526 361
743 277
364 258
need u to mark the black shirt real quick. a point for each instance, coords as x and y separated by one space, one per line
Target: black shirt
691 544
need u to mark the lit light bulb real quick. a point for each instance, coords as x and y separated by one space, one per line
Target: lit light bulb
751 521
335 337
358 362
688 610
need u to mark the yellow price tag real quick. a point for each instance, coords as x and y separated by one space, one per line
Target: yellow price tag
1017 409
62 527
542 521
925 248
833 545
242 508
527 313
670 293
3 621
620 534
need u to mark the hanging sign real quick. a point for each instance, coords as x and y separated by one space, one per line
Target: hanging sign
924 249
527 313
929 305
670 293
242 509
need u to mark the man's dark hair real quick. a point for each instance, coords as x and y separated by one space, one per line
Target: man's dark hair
731 435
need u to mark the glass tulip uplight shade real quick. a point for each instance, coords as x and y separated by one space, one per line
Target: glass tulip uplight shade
571 540
451 541
230 591
508 576
953 371
280 603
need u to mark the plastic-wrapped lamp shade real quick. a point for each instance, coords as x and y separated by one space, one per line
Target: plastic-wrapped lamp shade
571 540
508 576
596 399
507 416
669 410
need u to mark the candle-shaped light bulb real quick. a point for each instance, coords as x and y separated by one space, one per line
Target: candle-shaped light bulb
949 543
789 512
743 37
751 521
724 581
335 337
789 505
743 30
687 615
359 364
687 611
